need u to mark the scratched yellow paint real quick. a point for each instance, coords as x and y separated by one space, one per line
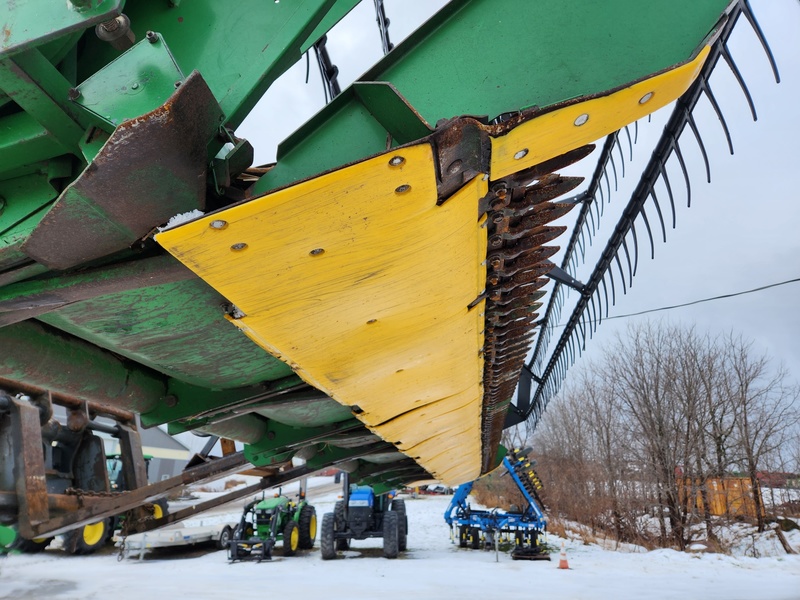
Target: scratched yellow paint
555 133
362 286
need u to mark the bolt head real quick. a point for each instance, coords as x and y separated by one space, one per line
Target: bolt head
396 161
402 189
646 98
218 224
581 120
238 247
521 154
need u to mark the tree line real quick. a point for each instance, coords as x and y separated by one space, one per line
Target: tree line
643 431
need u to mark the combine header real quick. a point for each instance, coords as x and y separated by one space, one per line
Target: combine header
366 302
486 528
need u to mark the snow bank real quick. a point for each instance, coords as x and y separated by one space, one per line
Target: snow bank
432 568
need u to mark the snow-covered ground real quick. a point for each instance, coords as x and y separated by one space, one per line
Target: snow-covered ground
432 568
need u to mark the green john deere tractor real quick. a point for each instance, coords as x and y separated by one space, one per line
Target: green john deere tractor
270 520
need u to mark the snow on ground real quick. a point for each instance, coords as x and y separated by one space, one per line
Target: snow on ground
433 567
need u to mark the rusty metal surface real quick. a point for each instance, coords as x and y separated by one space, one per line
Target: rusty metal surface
92 508
151 168
518 210
94 408
31 485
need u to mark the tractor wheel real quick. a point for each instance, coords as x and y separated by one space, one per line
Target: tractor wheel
87 539
291 538
326 544
338 515
475 538
463 536
160 508
224 540
27 546
342 544
399 506
307 522
391 533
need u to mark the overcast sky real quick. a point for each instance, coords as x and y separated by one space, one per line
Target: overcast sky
741 231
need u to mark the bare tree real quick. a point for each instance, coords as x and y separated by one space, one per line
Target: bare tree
765 413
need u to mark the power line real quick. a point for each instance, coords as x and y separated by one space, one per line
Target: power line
722 297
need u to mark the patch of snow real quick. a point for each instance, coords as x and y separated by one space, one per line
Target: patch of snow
433 567
182 218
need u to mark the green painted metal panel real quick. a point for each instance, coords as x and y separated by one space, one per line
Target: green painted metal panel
193 400
42 92
177 329
25 26
240 48
23 141
490 57
140 80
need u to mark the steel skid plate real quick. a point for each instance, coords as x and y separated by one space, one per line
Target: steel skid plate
361 283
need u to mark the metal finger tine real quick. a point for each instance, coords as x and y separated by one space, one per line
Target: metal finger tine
628 257
621 155
658 211
605 291
591 217
598 208
608 183
715 105
649 233
726 54
635 247
693 125
635 135
679 154
599 307
630 141
613 288
665 177
614 167
621 273
760 35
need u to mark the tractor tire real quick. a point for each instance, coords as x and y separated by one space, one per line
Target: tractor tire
391 534
307 521
87 539
340 524
291 538
160 508
224 539
399 506
326 541
338 515
27 546
463 536
474 538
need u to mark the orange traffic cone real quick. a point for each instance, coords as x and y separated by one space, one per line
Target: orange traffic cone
562 561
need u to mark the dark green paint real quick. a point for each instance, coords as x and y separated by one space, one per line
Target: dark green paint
193 400
140 80
24 29
489 57
178 329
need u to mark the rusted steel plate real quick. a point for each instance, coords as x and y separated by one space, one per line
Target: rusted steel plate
151 168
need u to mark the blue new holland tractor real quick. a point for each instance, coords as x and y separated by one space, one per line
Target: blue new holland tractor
364 514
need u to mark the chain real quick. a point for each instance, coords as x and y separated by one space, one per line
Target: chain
90 493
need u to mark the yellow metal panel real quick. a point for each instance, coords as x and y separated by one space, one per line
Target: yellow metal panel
557 132
361 283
